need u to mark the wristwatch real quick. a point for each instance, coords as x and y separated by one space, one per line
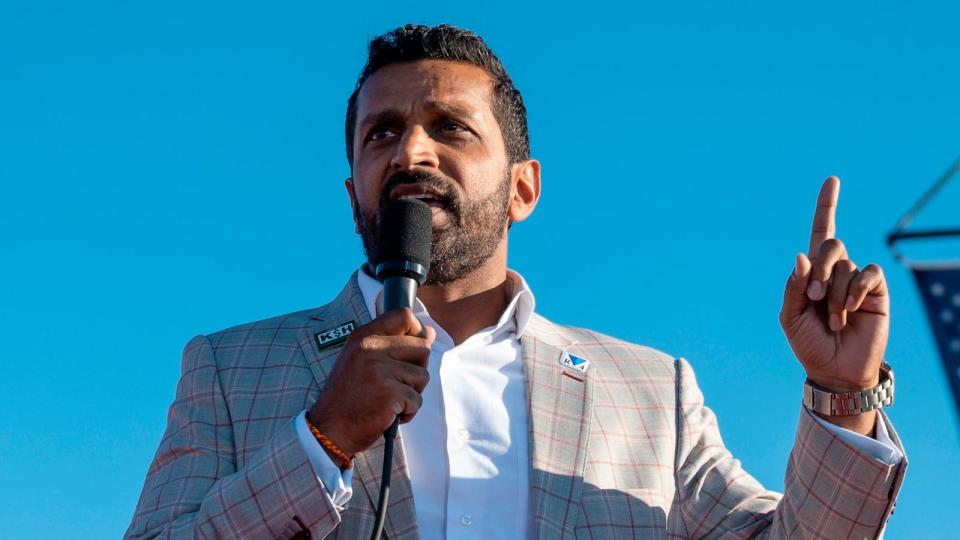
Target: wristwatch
830 403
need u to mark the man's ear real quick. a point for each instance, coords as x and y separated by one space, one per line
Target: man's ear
526 189
348 183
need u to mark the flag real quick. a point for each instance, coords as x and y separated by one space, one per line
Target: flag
940 289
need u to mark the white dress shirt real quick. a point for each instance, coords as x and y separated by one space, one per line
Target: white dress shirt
467 448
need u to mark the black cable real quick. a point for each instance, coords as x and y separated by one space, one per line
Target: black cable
389 437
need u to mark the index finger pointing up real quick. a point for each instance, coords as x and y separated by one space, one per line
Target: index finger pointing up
824 220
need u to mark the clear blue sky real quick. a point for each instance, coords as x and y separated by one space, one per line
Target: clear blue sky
176 168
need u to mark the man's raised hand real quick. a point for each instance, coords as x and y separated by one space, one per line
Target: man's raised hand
835 315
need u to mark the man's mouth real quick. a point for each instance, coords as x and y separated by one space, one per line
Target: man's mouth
420 192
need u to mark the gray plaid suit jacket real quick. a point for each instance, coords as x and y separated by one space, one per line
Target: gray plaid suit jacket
627 449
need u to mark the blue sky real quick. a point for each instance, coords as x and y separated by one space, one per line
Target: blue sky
173 169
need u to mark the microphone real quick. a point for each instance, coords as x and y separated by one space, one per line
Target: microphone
403 261
403 251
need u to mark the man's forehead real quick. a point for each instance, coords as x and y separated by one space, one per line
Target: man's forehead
444 86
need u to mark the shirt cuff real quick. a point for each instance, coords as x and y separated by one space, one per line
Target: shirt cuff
881 448
336 482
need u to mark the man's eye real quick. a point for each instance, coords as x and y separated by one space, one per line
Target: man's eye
453 126
378 134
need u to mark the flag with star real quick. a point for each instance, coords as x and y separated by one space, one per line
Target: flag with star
940 289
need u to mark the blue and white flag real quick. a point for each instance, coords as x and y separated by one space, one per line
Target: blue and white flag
940 289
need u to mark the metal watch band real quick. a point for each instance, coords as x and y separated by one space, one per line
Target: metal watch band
830 403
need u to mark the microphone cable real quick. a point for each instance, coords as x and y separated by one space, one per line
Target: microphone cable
389 437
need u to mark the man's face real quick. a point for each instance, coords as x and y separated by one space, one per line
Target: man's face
426 129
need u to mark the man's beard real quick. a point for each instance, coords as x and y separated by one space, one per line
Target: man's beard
470 236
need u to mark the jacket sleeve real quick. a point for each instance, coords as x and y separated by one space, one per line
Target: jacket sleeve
832 489
193 487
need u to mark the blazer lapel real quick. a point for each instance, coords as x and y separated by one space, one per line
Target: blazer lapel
349 307
560 402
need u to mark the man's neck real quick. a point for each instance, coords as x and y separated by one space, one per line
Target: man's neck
468 305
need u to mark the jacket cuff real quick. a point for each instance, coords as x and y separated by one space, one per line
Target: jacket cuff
841 482
279 494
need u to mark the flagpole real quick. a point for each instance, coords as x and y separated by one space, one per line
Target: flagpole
899 233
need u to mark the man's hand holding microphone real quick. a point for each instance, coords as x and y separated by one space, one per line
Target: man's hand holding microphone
380 375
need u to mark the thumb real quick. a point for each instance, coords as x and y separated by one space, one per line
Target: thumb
795 296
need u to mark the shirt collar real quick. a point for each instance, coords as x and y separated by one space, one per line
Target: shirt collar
517 313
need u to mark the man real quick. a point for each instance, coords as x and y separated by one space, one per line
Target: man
512 426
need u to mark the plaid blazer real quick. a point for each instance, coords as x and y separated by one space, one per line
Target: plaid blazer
626 449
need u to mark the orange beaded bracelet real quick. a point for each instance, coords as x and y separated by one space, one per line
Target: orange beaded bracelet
328 444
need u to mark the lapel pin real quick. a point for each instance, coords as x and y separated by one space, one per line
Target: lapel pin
575 363
335 336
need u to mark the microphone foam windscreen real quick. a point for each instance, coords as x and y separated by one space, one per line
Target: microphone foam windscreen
406 232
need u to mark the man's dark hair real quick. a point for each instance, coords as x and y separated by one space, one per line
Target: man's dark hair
414 42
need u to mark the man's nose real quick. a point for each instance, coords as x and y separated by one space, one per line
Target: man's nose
416 149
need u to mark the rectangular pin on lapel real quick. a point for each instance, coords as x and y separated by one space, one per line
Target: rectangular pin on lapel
335 336
575 366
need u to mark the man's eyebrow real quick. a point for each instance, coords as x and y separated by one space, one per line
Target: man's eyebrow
452 109
395 116
381 117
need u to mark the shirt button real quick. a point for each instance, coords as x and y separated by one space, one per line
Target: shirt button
466 520
463 434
